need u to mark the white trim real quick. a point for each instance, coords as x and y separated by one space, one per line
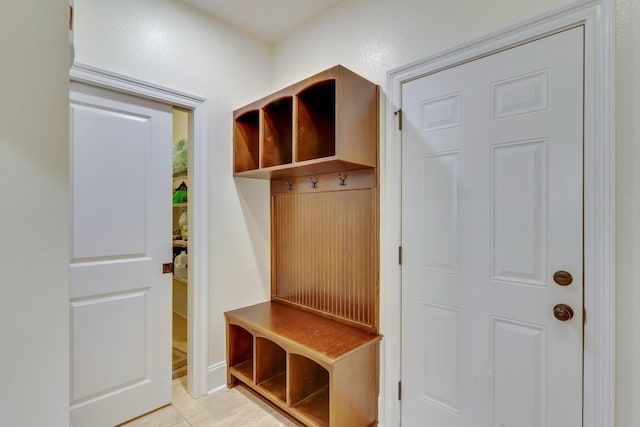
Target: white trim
198 287
598 18
217 377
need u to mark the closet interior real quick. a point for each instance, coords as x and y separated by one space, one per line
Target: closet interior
180 240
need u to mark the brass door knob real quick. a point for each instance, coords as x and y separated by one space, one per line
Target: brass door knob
562 278
562 312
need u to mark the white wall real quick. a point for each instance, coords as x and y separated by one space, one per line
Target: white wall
374 36
34 241
169 43
179 48
628 212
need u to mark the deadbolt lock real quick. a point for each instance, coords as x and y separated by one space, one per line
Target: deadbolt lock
562 278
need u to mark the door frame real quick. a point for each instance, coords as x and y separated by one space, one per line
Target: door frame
598 19
198 171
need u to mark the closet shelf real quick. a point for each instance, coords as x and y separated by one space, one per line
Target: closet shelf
180 244
180 279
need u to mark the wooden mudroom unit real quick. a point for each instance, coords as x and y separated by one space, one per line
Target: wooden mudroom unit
312 351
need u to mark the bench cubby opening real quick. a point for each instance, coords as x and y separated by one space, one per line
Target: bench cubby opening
309 388
271 366
240 352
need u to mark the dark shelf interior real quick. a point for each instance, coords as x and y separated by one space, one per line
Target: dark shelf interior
246 135
316 406
244 369
241 355
316 121
309 388
271 366
277 386
277 119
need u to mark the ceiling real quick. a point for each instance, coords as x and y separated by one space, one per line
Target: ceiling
269 20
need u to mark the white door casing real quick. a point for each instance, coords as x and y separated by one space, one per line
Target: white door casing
492 207
120 300
198 381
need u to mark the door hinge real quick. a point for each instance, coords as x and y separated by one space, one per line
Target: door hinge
400 255
584 317
71 17
399 390
167 268
399 114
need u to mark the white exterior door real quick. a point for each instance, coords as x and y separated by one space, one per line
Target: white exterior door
120 300
491 209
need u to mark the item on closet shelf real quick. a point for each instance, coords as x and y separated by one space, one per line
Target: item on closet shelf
180 157
180 195
180 265
182 222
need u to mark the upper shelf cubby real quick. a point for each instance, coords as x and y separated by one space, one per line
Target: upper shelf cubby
277 140
246 141
316 121
323 124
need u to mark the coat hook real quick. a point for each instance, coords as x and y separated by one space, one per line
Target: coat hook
289 185
314 182
343 179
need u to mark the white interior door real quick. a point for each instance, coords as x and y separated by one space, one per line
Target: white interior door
120 301
491 209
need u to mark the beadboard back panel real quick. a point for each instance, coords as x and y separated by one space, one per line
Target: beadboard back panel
325 250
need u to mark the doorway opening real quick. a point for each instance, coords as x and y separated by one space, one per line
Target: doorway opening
195 108
180 241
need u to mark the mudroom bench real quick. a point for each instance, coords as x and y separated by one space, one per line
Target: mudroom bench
319 371
312 351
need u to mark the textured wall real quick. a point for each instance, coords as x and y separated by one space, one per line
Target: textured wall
171 44
202 56
373 37
34 213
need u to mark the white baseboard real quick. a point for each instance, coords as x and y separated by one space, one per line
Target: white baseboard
217 377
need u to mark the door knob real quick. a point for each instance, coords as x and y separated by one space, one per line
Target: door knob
562 312
562 278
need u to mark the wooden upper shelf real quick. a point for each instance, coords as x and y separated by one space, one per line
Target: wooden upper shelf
326 123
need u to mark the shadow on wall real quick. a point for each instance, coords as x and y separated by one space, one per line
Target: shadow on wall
254 196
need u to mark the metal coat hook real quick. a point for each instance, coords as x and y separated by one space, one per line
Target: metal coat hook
289 185
342 178
314 182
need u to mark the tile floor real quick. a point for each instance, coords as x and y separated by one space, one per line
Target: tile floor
229 408
179 349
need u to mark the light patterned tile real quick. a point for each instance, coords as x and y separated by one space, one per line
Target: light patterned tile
163 417
225 408
237 407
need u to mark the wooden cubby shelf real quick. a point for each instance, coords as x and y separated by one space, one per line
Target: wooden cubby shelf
240 358
319 371
316 121
323 124
312 351
270 364
246 138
